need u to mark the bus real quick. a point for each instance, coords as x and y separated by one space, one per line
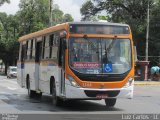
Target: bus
78 61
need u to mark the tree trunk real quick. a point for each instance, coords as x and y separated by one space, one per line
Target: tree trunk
6 66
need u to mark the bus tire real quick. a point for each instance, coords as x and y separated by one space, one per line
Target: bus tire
31 93
55 99
110 102
38 95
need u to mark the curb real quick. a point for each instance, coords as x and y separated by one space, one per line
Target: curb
147 83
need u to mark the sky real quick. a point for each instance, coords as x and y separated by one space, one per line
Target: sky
67 6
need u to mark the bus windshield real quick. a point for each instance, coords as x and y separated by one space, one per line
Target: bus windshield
100 55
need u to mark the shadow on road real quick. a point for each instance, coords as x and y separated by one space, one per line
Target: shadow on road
23 103
84 105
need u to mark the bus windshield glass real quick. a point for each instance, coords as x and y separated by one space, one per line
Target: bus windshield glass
100 55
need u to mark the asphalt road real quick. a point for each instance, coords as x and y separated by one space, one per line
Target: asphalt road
14 99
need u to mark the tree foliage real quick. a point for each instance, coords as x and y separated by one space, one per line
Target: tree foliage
8 39
4 1
132 12
59 16
32 16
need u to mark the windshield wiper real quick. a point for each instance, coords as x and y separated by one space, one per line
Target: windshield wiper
90 42
110 46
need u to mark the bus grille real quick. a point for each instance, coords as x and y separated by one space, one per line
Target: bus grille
93 93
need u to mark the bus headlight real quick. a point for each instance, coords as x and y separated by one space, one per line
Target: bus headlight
130 82
72 81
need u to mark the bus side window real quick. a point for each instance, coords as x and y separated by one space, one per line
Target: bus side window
61 53
51 39
20 53
28 50
44 39
25 50
33 49
46 51
38 51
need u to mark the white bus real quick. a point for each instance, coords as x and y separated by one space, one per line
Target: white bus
78 60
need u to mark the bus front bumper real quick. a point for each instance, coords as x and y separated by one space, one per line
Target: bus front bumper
87 93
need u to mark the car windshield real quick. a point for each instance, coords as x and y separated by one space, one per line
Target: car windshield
14 69
100 55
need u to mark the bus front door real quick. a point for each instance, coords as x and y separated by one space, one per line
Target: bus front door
62 68
20 70
37 61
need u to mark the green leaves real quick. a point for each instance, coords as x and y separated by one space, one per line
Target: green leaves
3 1
87 10
32 16
8 39
60 17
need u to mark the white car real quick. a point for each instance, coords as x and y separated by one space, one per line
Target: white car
12 72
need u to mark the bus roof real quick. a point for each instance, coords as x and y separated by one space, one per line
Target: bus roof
64 26
43 32
97 23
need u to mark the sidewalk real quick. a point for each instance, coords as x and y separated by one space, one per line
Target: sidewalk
153 83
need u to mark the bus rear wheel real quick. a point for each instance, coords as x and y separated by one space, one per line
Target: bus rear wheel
55 99
110 102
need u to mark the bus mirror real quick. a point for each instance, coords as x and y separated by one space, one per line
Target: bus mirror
63 34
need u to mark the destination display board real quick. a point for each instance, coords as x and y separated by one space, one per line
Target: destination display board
98 29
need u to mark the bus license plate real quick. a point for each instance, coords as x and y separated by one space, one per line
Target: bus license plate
102 96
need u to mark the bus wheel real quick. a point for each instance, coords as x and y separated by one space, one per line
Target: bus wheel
110 102
31 93
56 100
39 95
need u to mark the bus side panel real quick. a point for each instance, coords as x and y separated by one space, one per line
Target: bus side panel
30 70
20 70
43 82
46 71
20 67
36 76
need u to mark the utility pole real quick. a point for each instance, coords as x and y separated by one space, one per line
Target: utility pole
50 12
147 36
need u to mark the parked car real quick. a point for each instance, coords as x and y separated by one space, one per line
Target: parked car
12 72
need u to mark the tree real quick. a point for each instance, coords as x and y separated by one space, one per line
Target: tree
8 40
67 18
87 10
154 36
59 16
3 1
32 16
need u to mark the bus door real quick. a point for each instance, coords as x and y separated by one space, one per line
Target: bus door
21 79
37 61
62 67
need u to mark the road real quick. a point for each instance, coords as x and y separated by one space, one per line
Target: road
14 99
